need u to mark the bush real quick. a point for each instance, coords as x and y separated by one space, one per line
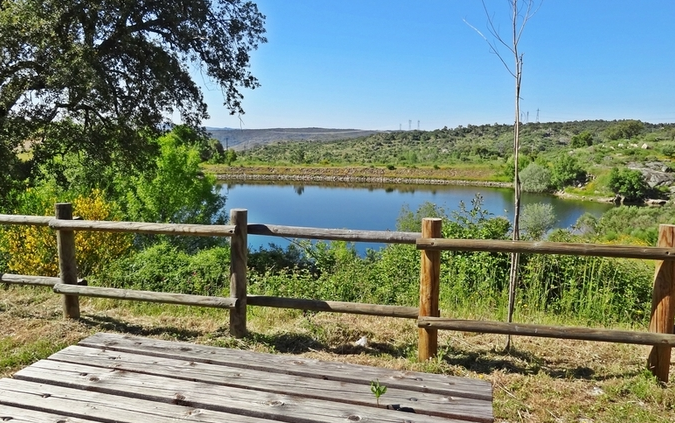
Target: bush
628 183
535 178
567 171
32 249
165 268
537 219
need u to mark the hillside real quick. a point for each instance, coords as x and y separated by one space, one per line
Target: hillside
241 139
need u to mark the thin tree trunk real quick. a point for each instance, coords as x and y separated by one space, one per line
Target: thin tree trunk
515 257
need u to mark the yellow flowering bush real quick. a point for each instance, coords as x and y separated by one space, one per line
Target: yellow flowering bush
32 249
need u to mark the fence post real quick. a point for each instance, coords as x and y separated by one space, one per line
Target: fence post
663 305
65 241
238 265
430 270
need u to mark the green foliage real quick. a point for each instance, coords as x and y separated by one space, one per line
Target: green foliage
567 171
164 268
624 129
97 77
176 191
537 219
628 183
631 223
598 289
536 178
584 139
378 390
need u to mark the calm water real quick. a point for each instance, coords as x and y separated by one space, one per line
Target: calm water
372 207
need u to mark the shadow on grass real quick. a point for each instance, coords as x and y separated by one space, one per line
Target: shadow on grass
521 362
105 323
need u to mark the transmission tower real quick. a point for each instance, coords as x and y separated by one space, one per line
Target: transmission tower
409 124
418 125
537 115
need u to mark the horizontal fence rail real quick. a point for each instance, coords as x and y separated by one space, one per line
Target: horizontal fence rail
541 247
334 306
149 296
334 234
49 281
143 228
543 331
11 219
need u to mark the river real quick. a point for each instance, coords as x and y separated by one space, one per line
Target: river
374 207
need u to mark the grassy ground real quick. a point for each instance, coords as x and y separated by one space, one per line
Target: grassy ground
543 380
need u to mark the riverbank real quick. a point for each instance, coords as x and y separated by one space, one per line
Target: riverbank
408 176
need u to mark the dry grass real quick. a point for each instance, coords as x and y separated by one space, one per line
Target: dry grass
543 380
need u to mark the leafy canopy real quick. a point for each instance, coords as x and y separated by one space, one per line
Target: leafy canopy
99 76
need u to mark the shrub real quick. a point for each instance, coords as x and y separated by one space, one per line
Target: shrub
32 249
537 219
165 268
535 178
628 183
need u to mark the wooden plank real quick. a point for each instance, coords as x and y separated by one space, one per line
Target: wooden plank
23 415
292 365
334 306
334 234
238 401
101 407
350 393
17 219
541 247
562 332
144 228
150 296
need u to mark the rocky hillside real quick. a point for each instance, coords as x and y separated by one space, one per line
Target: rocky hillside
242 139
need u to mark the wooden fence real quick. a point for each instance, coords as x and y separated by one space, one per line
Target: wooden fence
660 334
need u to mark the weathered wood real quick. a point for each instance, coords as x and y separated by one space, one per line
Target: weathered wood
18 219
238 269
22 415
298 366
334 234
663 306
108 407
541 247
237 401
309 387
144 228
149 296
561 332
65 240
29 280
430 271
333 306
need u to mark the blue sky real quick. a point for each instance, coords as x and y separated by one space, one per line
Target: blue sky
380 64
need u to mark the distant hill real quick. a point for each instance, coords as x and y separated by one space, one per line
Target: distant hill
243 139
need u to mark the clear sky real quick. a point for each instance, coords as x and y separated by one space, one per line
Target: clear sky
370 64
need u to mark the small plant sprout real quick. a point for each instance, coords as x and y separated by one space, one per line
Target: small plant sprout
377 390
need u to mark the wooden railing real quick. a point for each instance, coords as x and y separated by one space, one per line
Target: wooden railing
427 314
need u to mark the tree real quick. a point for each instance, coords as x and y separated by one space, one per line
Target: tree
521 12
584 139
111 71
567 171
537 219
536 178
625 129
628 183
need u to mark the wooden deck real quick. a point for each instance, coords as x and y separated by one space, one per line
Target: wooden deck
121 378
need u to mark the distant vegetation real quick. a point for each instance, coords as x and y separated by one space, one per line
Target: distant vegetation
554 156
